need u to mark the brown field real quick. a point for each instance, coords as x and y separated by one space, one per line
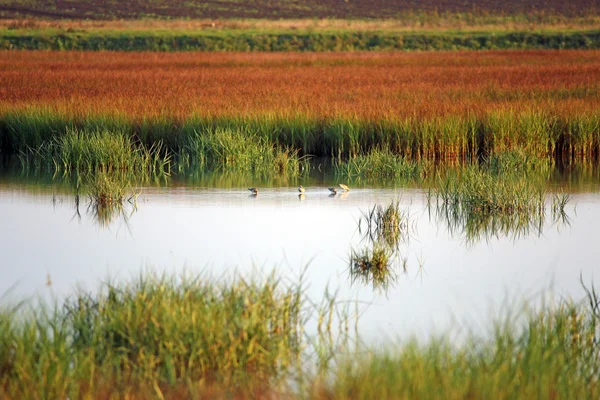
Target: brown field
223 9
493 23
364 85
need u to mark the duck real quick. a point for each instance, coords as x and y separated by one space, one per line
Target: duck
301 189
333 191
344 187
253 190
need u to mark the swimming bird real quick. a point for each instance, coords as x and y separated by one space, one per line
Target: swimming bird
254 191
333 191
344 187
301 189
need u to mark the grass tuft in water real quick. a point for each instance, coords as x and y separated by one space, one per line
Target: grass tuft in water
373 265
473 190
384 165
387 224
90 151
240 150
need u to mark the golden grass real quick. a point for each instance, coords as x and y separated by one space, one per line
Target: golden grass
363 85
410 23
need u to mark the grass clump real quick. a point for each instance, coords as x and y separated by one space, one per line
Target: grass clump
388 224
482 204
373 265
383 228
550 352
90 151
518 162
154 335
473 190
383 164
241 150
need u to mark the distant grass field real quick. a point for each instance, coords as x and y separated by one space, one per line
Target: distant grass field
409 32
435 106
225 9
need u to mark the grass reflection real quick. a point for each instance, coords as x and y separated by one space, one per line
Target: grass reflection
384 229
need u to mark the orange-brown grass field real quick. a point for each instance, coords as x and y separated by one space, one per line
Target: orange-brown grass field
418 104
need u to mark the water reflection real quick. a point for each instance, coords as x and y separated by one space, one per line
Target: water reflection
383 230
474 227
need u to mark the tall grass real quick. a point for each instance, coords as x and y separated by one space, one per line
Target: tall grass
86 151
437 106
382 165
156 334
240 150
384 149
550 352
473 191
195 337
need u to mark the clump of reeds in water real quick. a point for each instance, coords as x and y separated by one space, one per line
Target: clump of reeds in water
548 351
502 197
158 336
474 190
383 228
108 194
93 150
240 150
388 224
518 161
374 265
383 164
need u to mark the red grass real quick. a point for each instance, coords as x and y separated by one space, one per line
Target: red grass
365 85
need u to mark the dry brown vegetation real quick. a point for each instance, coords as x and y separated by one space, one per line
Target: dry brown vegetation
109 9
406 24
369 86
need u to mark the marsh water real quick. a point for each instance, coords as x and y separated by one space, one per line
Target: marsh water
446 276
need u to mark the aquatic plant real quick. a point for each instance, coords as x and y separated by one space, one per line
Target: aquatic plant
546 352
388 225
195 336
240 150
157 334
373 265
473 190
383 165
90 151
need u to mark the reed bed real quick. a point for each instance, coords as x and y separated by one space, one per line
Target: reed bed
240 150
435 106
550 352
199 337
382 165
90 151
418 106
155 335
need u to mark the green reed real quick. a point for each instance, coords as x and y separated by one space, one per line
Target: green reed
473 190
157 333
240 150
574 138
384 165
98 150
196 336
544 352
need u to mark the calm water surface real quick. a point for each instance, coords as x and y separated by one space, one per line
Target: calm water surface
446 281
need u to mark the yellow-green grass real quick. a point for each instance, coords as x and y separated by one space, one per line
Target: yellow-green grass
195 337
